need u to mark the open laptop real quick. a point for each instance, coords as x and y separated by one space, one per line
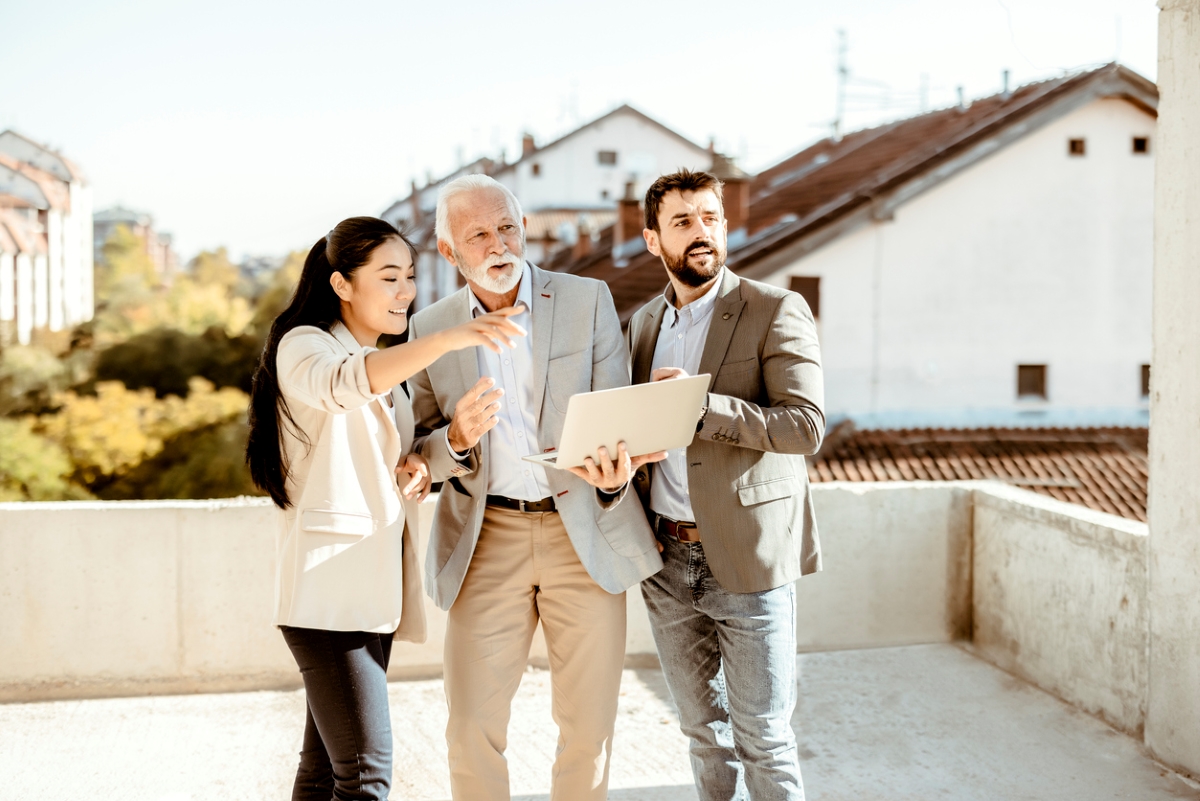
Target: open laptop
658 416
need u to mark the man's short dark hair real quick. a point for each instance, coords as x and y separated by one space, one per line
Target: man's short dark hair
683 180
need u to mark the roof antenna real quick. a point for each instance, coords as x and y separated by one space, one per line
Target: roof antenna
843 75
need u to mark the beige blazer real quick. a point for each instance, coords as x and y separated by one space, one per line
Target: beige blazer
746 474
346 556
577 347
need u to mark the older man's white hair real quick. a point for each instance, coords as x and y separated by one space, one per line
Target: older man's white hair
462 185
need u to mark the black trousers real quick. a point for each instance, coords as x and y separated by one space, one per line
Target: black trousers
347 752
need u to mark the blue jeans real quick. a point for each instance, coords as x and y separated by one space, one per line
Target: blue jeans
729 660
347 751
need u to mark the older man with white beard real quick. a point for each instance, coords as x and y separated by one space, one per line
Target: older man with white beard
512 542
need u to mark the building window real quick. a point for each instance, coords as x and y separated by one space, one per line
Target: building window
1031 381
535 169
607 157
1141 145
1076 147
604 194
809 288
1145 380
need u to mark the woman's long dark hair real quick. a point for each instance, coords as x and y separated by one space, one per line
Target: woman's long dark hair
344 249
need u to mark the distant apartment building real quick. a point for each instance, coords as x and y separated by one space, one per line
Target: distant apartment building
568 188
987 264
159 246
46 256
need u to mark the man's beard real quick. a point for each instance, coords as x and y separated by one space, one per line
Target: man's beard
695 276
479 273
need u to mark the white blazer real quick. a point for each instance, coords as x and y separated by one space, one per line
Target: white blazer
346 556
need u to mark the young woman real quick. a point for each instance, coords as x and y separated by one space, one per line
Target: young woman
329 433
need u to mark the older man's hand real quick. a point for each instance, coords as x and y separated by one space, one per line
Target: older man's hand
612 474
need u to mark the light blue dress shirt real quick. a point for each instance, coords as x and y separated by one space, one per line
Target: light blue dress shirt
680 343
515 432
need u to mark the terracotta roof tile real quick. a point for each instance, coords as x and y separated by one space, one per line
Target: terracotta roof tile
1106 469
828 181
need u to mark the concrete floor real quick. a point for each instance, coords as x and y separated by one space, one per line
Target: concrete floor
927 722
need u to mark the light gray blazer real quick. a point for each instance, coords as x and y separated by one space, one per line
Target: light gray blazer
577 347
746 474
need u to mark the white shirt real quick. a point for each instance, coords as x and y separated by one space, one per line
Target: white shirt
515 432
680 343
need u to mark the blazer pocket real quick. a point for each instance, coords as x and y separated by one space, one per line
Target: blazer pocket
330 521
732 368
772 490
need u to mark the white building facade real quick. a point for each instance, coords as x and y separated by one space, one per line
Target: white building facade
570 184
1033 265
46 259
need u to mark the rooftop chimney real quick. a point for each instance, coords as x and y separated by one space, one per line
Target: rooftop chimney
736 196
416 205
962 100
627 232
527 145
583 244
1007 93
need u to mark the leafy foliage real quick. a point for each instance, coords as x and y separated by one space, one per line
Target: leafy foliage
107 434
207 462
32 468
165 359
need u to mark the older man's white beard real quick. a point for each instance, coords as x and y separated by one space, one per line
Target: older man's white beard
499 285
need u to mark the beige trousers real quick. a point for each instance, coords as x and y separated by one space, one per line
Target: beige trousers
525 569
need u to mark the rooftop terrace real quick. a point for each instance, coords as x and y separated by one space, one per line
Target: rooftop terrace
919 722
966 640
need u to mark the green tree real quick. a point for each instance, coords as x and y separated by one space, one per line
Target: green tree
125 261
165 359
278 293
32 468
108 434
207 462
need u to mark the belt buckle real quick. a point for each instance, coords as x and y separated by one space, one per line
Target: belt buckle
521 505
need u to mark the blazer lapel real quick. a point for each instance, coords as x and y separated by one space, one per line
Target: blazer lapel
468 362
541 319
726 311
647 340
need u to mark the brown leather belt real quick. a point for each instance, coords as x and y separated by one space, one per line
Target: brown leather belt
544 505
680 531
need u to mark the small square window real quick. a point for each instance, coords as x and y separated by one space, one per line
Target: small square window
604 194
1145 380
536 169
809 288
1141 145
1076 147
1031 381
607 157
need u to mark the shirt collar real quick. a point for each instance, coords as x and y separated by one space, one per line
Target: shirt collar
698 308
524 294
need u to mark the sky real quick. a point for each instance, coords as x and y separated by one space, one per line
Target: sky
259 125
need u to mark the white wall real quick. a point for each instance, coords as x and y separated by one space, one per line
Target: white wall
571 175
1173 718
1060 599
1028 257
117 598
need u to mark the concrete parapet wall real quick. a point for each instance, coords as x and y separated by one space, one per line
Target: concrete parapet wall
149 597
1060 599
897 566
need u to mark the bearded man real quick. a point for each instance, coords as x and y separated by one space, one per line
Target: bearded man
513 542
732 511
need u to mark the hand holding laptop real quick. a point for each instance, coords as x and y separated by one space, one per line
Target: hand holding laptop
613 474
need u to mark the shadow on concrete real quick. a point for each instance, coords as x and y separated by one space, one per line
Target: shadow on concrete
676 793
